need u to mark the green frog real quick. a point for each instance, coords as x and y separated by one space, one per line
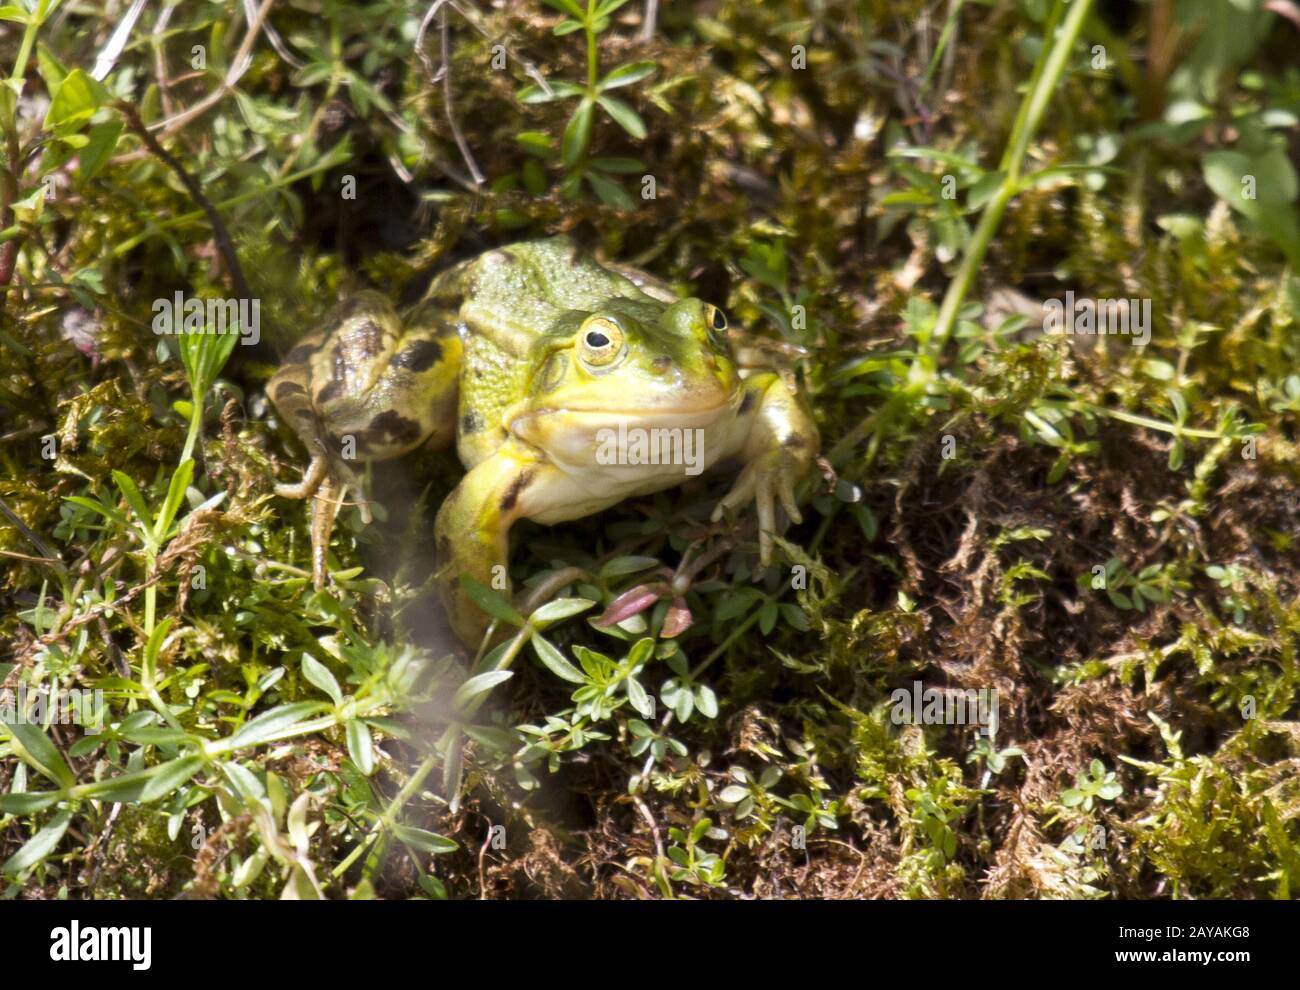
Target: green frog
567 385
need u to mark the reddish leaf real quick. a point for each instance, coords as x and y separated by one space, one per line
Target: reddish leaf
678 619
631 602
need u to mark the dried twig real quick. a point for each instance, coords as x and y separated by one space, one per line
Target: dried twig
442 72
219 232
648 20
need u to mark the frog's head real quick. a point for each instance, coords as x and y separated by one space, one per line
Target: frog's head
636 358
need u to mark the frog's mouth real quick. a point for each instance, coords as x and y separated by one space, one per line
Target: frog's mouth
579 436
598 417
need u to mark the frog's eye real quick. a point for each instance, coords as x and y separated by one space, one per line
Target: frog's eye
715 322
600 341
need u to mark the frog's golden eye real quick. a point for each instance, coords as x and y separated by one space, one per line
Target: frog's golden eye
717 319
600 341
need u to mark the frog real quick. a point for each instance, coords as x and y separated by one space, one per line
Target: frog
567 384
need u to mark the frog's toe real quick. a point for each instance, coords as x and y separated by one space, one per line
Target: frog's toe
363 507
764 481
311 481
785 490
741 494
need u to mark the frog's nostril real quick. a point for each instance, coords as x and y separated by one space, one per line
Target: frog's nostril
660 365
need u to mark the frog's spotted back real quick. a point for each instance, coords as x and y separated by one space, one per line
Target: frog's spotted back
525 289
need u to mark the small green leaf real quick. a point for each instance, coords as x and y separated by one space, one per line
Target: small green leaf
623 115
577 134
320 676
126 485
607 7
270 725
567 7
558 610
152 648
559 90
38 846
181 478
610 192
536 142
361 746
424 840
626 75
171 776
640 652
640 700
479 684
27 803
41 753
983 190
621 566
77 98
99 149
554 661
706 701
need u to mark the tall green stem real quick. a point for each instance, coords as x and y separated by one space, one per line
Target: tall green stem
1057 45
1047 73
593 65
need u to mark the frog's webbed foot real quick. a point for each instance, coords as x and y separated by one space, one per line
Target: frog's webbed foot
766 479
779 452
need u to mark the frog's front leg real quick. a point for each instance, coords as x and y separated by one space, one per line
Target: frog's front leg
473 531
778 442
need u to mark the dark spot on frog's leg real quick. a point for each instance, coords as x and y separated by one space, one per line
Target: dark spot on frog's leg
794 441
392 427
746 404
516 489
286 389
471 422
508 256
418 356
328 392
